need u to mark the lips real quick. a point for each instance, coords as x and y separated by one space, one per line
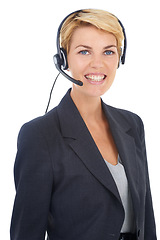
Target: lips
95 77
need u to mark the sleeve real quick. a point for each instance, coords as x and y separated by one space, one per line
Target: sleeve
33 181
149 221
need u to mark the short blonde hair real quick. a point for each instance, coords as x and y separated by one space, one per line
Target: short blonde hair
101 19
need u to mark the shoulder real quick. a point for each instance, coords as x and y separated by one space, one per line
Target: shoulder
49 123
43 127
126 114
124 118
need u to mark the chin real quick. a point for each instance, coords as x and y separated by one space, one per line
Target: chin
98 91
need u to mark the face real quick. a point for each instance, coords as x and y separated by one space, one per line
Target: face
93 59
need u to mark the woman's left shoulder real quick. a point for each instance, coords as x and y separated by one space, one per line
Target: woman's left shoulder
126 116
131 116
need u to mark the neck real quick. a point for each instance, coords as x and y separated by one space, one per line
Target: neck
89 107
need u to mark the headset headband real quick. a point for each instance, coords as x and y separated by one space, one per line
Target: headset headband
78 11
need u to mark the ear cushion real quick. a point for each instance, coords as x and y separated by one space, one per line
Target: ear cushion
64 62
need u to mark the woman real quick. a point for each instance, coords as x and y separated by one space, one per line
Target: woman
81 170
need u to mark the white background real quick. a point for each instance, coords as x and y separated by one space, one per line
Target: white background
27 43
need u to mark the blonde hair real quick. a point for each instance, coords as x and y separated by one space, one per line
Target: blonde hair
101 19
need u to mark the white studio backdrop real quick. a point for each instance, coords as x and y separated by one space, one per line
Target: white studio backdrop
28 31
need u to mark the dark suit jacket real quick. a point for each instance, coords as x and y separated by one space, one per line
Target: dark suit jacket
64 186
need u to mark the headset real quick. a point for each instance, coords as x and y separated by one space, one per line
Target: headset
60 59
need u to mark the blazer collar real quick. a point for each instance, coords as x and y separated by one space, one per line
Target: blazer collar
73 126
71 119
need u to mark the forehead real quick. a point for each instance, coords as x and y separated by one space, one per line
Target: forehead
90 35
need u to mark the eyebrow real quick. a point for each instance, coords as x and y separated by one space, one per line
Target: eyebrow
110 46
88 47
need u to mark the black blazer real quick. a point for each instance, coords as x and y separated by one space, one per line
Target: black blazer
64 186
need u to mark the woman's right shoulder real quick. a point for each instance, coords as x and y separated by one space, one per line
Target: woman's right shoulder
45 125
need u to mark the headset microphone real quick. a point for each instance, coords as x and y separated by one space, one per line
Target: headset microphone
60 59
57 62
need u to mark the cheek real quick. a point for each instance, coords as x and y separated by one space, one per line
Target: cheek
112 69
114 63
112 73
76 67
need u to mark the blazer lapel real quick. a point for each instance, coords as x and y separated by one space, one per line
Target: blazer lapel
80 140
127 150
86 149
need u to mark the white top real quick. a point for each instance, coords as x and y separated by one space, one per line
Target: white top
121 181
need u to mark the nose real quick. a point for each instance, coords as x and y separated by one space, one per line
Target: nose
97 62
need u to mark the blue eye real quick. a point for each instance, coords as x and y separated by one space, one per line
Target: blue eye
109 52
84 52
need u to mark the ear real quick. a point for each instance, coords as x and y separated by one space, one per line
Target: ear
119 62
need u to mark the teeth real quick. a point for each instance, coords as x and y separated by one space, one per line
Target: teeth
96 78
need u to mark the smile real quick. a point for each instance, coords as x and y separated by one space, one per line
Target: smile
95 77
